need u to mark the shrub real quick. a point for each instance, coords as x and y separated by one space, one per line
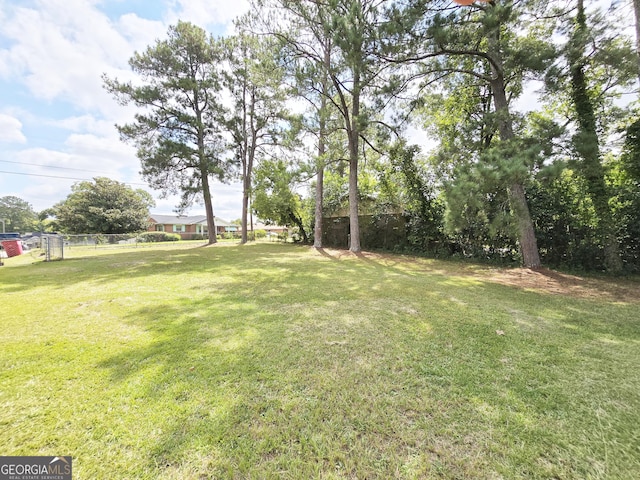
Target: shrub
149 237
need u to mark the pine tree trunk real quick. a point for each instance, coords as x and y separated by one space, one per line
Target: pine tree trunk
517 198
636 10
317 228
588 146
244 154
245 209
208 206
526 233
354 142
204 172
319 212
354 221
248 179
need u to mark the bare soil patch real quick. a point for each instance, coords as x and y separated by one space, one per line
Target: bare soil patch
626 290
557 283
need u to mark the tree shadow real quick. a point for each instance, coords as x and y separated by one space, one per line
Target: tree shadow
191 372
245 374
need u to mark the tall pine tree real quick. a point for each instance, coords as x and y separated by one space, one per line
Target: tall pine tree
177 129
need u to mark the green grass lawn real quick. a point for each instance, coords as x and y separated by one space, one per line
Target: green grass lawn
277 361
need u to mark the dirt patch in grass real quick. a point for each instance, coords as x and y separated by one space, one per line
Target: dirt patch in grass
556 283
626 290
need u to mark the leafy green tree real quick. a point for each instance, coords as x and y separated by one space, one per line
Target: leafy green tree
17 214
177 130
104 206
636 14
625 176
565 220
475 194
46 220
586 141
583 87
420 200
312 82
323 112
479 45
273 197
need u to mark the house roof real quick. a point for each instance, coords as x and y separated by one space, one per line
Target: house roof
264 226
187 220
222 223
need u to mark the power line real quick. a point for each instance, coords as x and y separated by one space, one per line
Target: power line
64 178
52 166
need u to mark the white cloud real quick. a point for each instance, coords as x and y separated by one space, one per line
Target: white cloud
11 129
106 153
87 156
61 48
51 173
44 187
83 161
206 12
58 50
84 124
140 32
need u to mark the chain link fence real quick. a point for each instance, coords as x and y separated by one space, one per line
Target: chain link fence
103 240
53 246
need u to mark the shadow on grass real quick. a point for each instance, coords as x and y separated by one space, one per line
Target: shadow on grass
259 361
191 374
248 391
348 370
113 266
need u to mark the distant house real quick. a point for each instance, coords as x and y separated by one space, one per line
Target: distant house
188 227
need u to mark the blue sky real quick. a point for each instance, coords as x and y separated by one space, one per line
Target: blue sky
56 120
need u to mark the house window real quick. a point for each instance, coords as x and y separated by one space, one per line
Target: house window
159 228
201 229
179 228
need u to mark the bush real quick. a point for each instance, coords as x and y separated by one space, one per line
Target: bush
149 237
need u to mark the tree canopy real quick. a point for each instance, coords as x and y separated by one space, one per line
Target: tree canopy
554 183
17 214
104 206
274 198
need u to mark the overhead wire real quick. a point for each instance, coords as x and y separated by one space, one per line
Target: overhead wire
63 178
51 166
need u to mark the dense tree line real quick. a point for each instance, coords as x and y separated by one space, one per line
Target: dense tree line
309 104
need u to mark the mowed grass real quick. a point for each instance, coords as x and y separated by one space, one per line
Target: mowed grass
277 361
